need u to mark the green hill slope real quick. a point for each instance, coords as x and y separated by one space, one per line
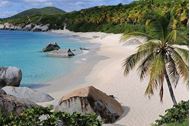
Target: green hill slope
116 19
41 11
33 15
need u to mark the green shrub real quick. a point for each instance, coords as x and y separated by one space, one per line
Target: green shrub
31 117
184 123
177 114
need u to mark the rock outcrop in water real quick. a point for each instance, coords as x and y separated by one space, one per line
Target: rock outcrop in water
51 47
90 99
70 53
10 76
27 93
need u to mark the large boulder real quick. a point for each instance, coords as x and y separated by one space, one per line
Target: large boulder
7 25
42 28
90 99
27 93
62 53
51 47
70 53
2 26
28 27
11 104
10 76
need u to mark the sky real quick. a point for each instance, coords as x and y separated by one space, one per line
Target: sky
12 7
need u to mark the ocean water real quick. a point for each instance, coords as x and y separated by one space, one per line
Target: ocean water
23 50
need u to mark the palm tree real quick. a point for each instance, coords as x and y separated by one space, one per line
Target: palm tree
160 57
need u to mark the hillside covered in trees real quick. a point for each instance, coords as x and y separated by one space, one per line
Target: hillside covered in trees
116 19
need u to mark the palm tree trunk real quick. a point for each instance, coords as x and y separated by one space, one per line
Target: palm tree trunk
170 89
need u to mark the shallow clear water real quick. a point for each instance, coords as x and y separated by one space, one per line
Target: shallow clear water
23 50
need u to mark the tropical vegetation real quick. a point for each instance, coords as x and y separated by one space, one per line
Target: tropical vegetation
116 19
39 116
178 115
160 57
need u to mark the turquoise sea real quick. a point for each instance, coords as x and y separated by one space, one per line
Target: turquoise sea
23 50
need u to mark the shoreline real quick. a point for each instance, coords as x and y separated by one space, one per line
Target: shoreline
107 75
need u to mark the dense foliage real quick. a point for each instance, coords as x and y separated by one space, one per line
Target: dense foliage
116 19
178 114
33 117
184 123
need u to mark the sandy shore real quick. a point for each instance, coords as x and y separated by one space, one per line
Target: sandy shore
103 69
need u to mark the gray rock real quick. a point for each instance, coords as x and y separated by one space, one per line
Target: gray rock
70 53
2 92
42 28
44 117
18 27
2 26
10 76
88 100
7 25
11 104
51 47
27 93
83 48
62 53
28 27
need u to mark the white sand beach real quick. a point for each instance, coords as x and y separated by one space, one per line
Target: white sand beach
107 75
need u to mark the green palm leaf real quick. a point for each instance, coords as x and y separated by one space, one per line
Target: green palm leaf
145 65
133 34
157 70
172 71
182 67
184 53
159 57
142 52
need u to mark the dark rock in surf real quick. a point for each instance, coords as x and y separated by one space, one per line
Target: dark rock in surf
51 47
70 53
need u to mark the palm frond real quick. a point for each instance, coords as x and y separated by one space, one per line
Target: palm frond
172 71
133 34
182 67
150 45
145 65
156 75
160 25
161 92
172 37
130 62
184 53
175 37
143 50
182 39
